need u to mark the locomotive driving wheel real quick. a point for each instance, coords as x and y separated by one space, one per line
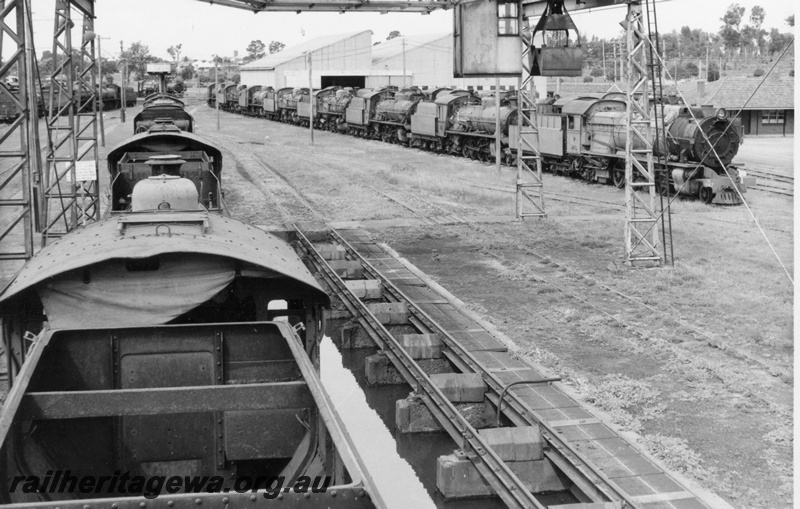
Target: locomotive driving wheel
618 177
706 195
663 186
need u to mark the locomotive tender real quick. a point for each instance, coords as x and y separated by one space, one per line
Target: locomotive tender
169 341
162 109
583 137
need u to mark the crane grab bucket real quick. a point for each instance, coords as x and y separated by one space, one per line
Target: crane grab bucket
558 54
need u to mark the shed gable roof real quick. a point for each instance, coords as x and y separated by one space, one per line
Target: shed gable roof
776 92
293 52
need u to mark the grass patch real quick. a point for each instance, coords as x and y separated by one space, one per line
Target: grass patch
622 397
677 454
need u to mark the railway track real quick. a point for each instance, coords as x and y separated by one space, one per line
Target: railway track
776 183
613 304
506 484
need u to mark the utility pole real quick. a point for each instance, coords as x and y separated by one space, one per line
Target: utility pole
497 143
123 99
216 87
102 86
404 61
310 100
614 47
605 74
708 74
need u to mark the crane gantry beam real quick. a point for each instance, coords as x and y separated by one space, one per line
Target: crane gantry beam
530 7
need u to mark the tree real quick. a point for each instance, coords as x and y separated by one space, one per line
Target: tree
138 56
109 66
276 47
713 72
790 20
729 32
393 34
777 41
175 52
757 14
752 34
187 72
255 50
758 72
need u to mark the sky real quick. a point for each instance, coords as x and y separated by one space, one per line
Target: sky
205 30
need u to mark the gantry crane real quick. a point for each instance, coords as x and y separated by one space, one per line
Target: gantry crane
58 194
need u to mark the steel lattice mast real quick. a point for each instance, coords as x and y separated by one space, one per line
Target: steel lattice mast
529 161
19 162
642 239
70 190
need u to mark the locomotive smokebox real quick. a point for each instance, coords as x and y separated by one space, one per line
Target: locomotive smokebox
709 140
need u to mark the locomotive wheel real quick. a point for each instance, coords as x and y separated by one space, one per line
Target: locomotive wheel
706 195
663 186
618 177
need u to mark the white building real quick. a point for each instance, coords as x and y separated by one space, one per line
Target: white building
343 59
427 61
352 60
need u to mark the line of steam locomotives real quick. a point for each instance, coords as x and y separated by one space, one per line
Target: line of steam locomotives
583 137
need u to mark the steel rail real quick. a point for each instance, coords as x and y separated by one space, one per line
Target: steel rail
582 473
599 486
505 483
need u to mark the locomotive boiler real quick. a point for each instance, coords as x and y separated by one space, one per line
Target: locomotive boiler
696 159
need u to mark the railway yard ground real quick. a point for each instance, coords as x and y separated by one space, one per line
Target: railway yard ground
693 363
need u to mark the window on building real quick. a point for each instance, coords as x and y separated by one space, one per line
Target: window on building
772 117
507 18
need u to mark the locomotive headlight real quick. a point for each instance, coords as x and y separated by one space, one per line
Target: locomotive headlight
722 114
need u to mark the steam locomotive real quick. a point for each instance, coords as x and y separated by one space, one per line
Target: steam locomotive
586 137
167 340
109 94
583 137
